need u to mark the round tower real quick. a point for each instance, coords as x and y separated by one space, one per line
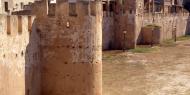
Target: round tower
71 48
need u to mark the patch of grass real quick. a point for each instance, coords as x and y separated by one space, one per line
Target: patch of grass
143 50
113 55
153 26
107 57
171 42
168 43
187 37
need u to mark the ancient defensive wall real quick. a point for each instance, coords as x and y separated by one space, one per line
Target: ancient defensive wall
131 18
19 61
168 23
58 52
71 47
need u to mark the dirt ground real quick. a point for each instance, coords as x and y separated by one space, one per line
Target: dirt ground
162 72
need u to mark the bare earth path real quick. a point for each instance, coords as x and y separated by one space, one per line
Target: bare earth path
164 72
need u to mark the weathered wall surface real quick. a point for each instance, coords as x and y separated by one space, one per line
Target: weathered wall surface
108 33
2 6
129 16
19 61
71 50
130 20
168 22
188 26
138 19
125 21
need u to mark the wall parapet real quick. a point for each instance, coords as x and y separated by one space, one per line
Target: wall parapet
170 24
12 25
19 51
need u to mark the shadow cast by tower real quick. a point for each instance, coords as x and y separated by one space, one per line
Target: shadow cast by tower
32 62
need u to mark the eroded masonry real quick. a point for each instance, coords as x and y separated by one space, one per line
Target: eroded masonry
133 17
48 52
54 47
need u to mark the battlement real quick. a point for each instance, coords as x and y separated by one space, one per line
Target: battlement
72 8
18 51
12 25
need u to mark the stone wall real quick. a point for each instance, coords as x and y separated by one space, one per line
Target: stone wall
108 33
138 19
19 51
188 26
71 46
129 20
125 21
168 22
130 17
61 56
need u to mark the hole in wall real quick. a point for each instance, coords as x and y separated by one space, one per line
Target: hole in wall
22 53
130 11
66 62
4 55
